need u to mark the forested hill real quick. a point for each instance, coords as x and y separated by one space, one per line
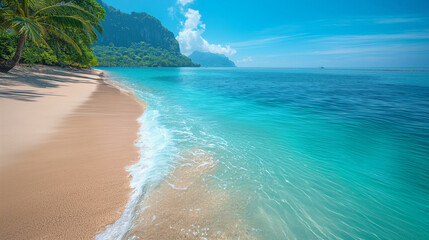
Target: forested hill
137 40
123 29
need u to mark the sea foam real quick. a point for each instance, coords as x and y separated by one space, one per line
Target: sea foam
155 147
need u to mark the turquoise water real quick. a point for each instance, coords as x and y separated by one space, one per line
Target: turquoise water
310 154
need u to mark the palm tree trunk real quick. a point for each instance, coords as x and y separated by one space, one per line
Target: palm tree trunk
7 65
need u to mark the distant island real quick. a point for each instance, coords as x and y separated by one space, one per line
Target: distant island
137 40
207 59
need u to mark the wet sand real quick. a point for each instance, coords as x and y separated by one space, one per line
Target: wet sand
187 206
68 181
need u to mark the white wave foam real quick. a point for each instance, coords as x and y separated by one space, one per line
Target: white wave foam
156 151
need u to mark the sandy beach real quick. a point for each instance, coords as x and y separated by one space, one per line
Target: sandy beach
66 139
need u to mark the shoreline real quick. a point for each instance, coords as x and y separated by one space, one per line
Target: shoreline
173 196
71 182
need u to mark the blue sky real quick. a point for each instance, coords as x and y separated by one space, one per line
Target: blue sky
306 33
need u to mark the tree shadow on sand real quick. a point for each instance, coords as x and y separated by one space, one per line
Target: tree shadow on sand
39 77
21 95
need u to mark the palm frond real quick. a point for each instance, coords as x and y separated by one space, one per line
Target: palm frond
62 36
15 6
32 29
66 9
5 15
53 21
75 22
99 28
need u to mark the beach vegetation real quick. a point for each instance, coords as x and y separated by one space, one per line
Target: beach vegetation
51 32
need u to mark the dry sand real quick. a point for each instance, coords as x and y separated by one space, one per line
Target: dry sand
34 100
66 139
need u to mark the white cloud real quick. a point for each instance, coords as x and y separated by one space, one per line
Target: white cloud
245 60
190 38
171 12
184 2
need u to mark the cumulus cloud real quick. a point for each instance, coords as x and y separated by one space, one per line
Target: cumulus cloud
190 38
184 2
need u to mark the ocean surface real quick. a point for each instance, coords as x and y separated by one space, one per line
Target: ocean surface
278 154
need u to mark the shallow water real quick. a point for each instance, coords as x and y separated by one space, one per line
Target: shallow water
279 154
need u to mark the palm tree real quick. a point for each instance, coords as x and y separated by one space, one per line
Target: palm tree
35 20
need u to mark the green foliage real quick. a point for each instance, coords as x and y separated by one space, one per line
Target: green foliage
58 32
36 54
140 55
8 44
62 33
58 55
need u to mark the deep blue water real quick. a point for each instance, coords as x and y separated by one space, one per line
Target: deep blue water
312 154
